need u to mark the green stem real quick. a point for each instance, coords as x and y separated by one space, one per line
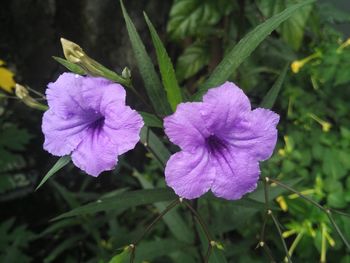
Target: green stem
275 221
150 226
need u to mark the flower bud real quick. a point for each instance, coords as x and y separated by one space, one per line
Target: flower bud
73 52
126 73
23 94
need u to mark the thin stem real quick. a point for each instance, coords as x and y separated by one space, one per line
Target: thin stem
322 208
268 252
298 193
197 238
150 226
205 228
207 255
323 245
266 192
339 212
36 92
200 221
262 242
280 234
295 243
329 214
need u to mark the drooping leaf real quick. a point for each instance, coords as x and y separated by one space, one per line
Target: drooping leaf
123 200
246 46
192 60
271 96
150 78
70 66
166 68
63 161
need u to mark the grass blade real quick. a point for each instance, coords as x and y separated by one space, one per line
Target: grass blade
155 145
122 201
151 120
172 219
271 96
151 80
70 66
245 47
166 68
63 161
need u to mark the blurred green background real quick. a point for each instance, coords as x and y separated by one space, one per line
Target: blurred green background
312 154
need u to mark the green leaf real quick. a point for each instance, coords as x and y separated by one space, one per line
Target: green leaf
122 201
191 17
14 138
166 68
152 82
160 152
70 66
151 120
332 166
148 251
63 161
172 219
192 60
292 31
271 96
62 247
245 47
121 257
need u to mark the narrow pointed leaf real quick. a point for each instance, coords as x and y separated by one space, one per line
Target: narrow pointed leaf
70 66
156 146
245 47
271 96
151 120
63 161
122 257
151 80
172 219
166 68
122 201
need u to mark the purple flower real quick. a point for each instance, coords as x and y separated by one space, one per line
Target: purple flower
222 141
88 119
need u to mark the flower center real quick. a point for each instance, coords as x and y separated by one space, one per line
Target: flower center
98 124
214 144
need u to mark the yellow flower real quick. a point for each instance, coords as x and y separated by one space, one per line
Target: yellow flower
326 126
282 203
7 82
298 64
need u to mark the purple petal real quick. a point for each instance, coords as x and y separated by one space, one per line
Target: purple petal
256 134
100 94
186 127
96 153
224 106
64 95
122 125
62 135
190 174
237 173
